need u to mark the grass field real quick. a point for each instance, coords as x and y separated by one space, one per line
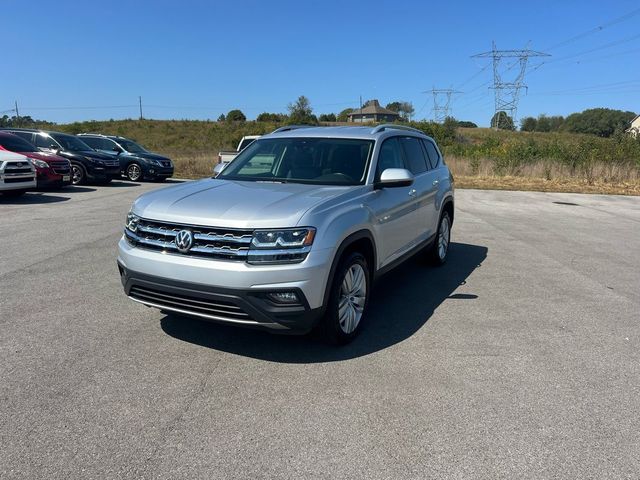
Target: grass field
478 157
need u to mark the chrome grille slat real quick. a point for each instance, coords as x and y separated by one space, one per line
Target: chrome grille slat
208 242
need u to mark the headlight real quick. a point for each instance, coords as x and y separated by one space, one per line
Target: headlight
132 222
94 160
153 161
39 163
289 245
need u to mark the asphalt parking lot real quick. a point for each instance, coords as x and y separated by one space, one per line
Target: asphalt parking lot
519 358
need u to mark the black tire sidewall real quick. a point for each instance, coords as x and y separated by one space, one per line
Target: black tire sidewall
333 332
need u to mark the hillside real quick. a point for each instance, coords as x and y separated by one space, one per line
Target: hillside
479 157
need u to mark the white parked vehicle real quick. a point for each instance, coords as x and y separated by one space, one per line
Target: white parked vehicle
225 156
17 174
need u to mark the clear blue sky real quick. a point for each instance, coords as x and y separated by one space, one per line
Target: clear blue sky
197 59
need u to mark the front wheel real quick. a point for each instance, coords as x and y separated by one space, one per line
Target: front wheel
78 175
134 172
348 299
440 248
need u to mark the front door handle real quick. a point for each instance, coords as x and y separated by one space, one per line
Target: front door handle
412 192
436 182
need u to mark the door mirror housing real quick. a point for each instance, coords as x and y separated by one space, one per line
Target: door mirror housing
117 149
394 177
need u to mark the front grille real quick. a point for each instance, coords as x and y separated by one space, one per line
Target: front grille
218 309
18 179
17 170
209 242
61 168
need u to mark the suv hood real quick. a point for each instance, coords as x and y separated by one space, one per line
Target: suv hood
45 157
234 204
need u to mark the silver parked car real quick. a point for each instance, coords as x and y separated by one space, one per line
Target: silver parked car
294 231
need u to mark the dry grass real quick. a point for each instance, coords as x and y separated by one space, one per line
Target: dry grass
547 176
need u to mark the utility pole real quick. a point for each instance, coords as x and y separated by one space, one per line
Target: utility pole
441 102
140 103
507 93
17 114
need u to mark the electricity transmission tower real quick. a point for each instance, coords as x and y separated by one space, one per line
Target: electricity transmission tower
441 102
507 93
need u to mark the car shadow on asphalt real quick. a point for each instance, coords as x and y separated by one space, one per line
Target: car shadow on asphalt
32 198
77 189
121 183
402 302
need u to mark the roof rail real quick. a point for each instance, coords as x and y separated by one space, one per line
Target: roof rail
385 126
291 127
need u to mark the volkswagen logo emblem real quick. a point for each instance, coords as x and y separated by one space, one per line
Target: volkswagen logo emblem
184 240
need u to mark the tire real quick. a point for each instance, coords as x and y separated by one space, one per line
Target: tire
134 172
348 299
78 174
438 252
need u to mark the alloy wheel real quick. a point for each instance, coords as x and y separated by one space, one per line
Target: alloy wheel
76 174
353 295
134 172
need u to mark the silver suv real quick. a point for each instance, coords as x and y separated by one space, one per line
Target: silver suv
294 231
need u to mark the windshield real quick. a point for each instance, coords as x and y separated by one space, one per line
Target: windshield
131 147
319 161
13 143
71 143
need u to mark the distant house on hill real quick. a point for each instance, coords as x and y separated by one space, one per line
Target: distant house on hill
373 113
634 129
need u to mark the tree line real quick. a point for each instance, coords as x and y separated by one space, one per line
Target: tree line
603 122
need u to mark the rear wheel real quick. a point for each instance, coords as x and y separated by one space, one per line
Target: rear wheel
134 172
348 299
78 175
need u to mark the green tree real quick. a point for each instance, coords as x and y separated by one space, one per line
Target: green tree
502 121
221 118
236 116
300 111
271 117
467 124
327 117
343 116
603 122
405 109
528 124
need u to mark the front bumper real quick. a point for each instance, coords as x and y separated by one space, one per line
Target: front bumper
226 291
103 172
50 179
154 171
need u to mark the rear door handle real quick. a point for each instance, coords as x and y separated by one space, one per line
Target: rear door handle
436 182
412 192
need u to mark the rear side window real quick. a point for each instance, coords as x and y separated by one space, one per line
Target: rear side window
28 136
434 157
45 141
414 154
390 156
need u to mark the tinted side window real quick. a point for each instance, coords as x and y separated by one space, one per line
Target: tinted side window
414 154
390 156
434 157
28 136
92 142
45 141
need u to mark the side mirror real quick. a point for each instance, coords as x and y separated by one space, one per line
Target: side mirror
117 149
394 177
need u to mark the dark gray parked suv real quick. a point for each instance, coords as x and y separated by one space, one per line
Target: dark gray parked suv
136 162
294 231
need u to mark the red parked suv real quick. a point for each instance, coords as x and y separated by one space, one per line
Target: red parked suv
51 170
